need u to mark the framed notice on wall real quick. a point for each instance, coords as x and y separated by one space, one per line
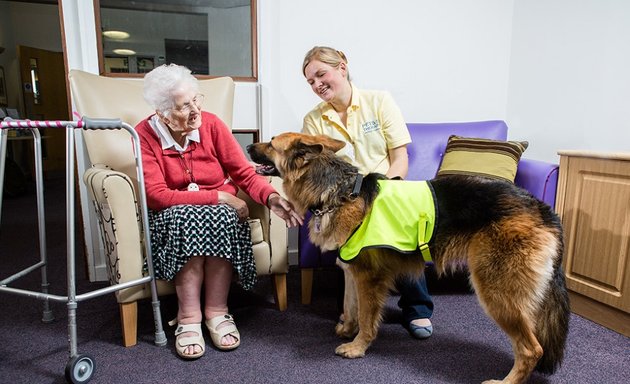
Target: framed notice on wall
3 88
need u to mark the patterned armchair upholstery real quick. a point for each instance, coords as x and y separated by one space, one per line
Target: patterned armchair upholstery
112 185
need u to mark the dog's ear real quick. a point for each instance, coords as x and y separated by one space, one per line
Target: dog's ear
308 151
330 143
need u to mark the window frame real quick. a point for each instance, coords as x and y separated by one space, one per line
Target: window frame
254 49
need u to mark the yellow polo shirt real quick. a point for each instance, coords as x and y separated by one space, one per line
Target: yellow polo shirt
375 125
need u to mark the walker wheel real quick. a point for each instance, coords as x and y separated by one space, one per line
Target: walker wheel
80 369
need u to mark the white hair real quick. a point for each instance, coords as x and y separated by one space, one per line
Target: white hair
164 82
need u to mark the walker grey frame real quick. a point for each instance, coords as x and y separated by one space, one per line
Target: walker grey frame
80 368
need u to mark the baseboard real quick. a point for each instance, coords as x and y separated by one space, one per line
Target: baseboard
601 314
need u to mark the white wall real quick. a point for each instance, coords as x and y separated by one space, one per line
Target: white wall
555 70
442 60
569 82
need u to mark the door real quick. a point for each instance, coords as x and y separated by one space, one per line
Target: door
595 215
45 98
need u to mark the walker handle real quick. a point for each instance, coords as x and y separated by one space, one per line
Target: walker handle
97 123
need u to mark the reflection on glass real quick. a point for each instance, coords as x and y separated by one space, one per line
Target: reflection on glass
116 64
116 35
35 81
211 37
145 64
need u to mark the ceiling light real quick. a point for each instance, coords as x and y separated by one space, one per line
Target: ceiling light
124 52
116 35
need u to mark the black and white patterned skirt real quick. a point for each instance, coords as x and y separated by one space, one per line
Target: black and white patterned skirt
183 231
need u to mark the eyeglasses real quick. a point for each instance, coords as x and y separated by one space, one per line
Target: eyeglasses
186 108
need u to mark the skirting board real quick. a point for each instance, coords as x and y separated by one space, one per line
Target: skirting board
602 314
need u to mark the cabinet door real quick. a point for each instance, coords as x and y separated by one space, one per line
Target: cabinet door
595 214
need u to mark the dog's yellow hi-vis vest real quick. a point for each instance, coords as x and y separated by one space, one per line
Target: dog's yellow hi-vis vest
402 218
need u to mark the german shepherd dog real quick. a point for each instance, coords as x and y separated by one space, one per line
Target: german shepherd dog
510 242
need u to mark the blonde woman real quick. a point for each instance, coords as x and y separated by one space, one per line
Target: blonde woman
376 139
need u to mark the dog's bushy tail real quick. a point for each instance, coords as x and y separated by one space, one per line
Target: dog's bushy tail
553 321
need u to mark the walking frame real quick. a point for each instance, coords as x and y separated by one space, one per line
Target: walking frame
79 368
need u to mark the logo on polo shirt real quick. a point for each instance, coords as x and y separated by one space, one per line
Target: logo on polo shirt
370 126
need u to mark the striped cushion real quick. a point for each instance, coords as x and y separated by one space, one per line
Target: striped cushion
482 157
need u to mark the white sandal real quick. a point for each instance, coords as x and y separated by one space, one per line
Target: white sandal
218 334
183 342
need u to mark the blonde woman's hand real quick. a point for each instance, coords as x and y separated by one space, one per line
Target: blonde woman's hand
284 209
239 205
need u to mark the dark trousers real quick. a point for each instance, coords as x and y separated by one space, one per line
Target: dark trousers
415 301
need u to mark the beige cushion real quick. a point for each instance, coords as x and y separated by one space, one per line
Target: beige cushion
256 231
482 157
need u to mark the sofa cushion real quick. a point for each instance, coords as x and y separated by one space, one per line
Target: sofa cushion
482 157
429 143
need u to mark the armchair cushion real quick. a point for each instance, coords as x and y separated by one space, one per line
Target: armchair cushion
429 143
481 157
256 231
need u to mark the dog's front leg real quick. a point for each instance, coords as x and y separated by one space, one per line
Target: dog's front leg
349 326
371 296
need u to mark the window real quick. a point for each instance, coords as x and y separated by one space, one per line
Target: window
211 37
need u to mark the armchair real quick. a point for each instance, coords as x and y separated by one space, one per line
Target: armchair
112 186
425 155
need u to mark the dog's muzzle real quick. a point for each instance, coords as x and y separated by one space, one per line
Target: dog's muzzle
267 170
264 166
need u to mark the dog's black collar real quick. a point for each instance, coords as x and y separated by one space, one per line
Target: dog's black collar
357 186
355 192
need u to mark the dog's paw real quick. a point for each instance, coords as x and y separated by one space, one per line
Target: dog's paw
350 350
493 382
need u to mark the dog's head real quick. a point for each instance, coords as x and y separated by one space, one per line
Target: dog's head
290 152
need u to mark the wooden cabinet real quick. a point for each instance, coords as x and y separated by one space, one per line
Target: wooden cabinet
594 204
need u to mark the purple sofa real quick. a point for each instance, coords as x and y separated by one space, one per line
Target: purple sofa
425 154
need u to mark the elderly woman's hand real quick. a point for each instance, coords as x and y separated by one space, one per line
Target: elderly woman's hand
284 209
241 207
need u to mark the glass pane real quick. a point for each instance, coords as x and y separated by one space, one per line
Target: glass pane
211 37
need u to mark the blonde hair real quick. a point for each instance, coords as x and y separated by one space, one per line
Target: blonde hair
163 82
326 55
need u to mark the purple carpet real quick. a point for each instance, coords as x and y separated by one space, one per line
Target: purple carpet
295 346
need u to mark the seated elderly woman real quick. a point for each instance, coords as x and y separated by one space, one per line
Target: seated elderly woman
193 167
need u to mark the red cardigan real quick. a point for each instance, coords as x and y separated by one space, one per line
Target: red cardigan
217 157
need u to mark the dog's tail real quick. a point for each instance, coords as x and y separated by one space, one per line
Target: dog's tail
553 321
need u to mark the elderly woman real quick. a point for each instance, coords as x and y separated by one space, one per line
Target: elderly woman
193 167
